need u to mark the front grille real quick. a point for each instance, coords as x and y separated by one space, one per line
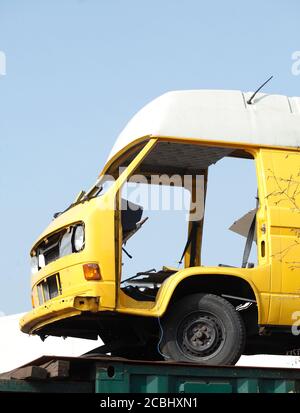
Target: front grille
49 288
49 248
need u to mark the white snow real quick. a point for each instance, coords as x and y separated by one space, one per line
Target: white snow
17 348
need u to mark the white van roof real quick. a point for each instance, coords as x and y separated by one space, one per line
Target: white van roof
221 115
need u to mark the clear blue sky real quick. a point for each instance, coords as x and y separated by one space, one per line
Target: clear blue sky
77 70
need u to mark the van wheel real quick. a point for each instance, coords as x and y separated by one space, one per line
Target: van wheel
204 329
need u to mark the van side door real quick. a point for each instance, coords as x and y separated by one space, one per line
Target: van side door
281 170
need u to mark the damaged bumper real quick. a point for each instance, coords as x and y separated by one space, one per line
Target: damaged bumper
56 311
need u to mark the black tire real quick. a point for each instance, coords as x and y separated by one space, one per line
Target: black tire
204 329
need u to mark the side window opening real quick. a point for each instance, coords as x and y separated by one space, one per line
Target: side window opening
231 204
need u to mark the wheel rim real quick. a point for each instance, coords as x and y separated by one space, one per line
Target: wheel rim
201 336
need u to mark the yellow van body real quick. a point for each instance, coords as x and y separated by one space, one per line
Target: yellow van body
81 300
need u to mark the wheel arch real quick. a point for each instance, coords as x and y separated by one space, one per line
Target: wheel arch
210 283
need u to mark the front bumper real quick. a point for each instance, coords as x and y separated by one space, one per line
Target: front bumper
57 310
77 296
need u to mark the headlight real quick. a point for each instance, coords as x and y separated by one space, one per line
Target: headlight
79 238
34 264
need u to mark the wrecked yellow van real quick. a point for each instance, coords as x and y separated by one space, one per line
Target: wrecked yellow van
195 313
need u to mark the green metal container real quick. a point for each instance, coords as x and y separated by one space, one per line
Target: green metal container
177 378
106 375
